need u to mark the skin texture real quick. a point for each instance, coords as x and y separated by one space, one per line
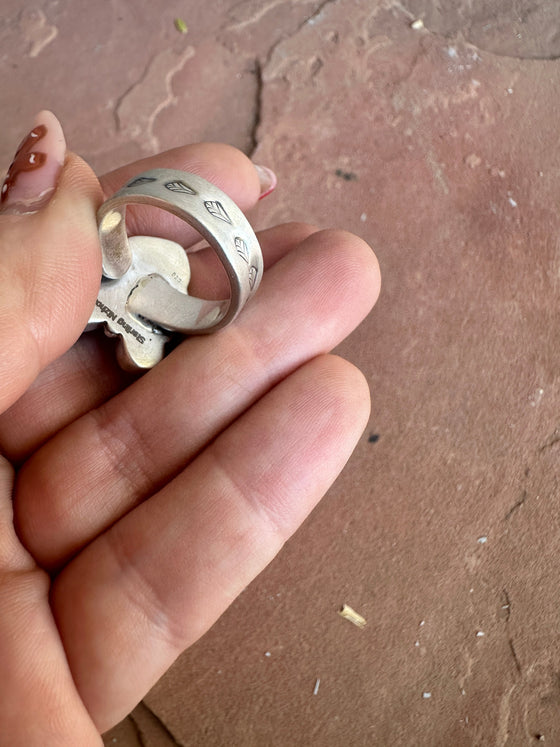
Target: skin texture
127 528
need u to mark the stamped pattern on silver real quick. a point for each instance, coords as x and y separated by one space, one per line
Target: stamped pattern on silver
179 186
253 273
141 180
242 248
216 209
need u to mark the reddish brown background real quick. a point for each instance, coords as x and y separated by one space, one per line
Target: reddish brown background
440 147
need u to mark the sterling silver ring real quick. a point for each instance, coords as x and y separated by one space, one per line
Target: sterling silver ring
216 217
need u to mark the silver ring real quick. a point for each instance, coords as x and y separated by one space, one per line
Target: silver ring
215 216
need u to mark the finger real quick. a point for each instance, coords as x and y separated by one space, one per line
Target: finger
209 279
225 166
84 377
167 570
49 256
88 374
39 704
102 465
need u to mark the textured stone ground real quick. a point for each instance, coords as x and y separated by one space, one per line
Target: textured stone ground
438 144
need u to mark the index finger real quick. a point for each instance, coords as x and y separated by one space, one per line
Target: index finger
225 166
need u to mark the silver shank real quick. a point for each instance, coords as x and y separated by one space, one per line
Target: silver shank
215 216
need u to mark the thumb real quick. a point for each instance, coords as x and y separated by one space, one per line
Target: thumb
50 261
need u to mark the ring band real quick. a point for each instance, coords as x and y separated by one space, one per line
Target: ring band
215 216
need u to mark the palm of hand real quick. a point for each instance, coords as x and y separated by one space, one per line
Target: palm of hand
142 508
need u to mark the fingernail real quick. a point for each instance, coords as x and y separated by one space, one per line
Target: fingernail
33 174
268 180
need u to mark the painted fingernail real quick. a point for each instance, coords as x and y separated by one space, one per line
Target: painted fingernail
268 180
33 174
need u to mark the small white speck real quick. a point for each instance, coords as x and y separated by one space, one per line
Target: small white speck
471 591
479 633
267 653
316 688
417 25
426 695
482 540
541 173
363 217
495 171
452 52
512 202
509 90
472 160
417 643
535 399
32 158
463 691
422 623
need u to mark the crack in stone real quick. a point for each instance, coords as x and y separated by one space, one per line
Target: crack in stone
468 29
257 117
508 607
552 58
308 20
516 505
164 728
318 11
262 10
313 17
461 37
514 655
137 731
553 439
260 65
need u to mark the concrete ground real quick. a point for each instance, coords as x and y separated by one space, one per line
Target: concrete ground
432 133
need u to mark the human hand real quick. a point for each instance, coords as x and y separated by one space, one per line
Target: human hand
133 511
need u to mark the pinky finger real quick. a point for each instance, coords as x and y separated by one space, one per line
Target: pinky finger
171 567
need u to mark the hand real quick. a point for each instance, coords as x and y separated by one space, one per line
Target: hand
133 511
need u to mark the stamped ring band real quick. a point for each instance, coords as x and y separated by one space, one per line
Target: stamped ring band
215 216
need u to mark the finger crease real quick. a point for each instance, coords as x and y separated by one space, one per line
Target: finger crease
250 495
122 443
142 594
